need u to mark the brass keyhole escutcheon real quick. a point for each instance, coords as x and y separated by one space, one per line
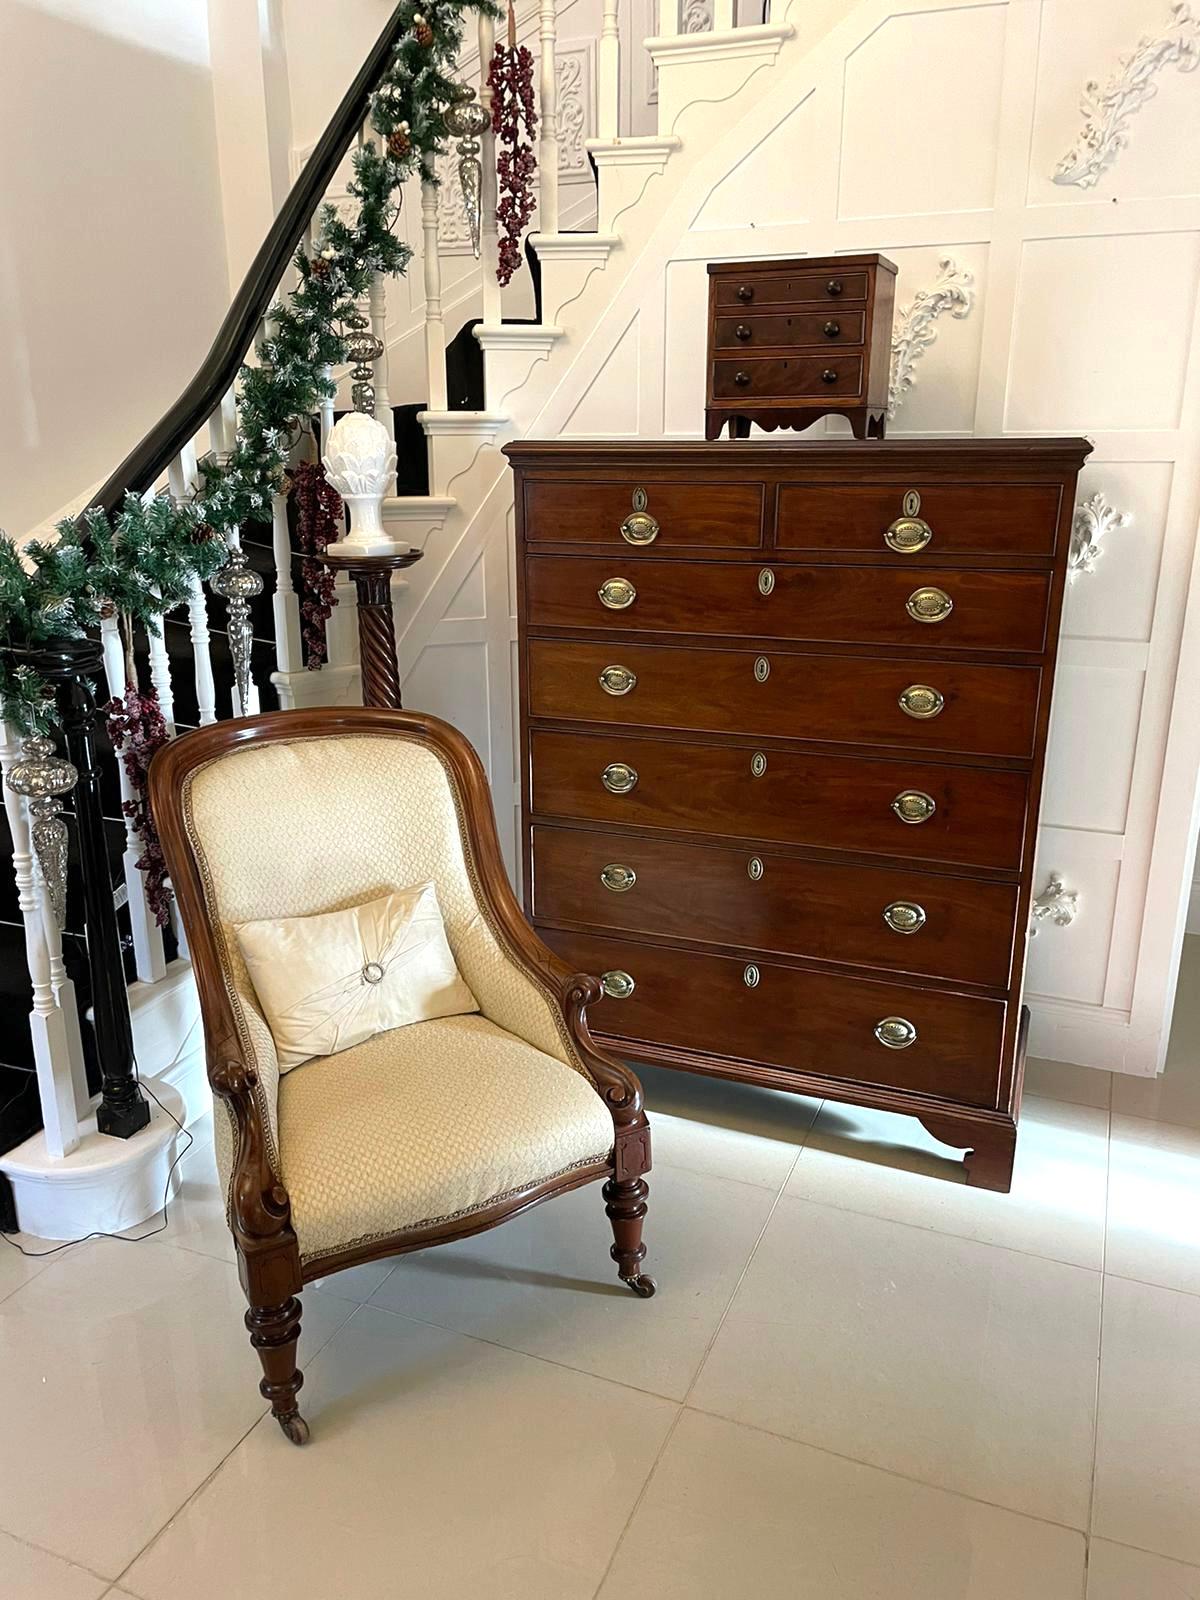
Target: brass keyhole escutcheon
752 976
911 504
754 868
921 701
929 604
619 778
617 985
758 764
904 916
897 1033
766 581
617 877
907 535
618 680
762 669
914 806
617 594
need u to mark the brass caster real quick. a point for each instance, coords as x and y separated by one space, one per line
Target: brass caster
642 1286
294 1427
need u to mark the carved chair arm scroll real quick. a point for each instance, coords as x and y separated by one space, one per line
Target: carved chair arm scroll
258 1200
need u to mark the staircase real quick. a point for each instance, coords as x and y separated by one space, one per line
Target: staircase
492 366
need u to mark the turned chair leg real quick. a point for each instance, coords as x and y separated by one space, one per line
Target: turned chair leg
274 1333
626 1207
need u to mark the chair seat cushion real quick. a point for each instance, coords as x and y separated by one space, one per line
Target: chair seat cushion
427 1123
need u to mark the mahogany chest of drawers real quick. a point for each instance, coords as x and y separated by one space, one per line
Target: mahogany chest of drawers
790 342
783 724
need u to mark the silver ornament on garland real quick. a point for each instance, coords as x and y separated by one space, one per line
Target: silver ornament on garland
465 120
43 777
364 350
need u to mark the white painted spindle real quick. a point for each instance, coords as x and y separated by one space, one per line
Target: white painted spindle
64 994
160 672
489 242
608 72
435 327
181 478
668 18
289 656
548 111
148 953
47 1025
722 15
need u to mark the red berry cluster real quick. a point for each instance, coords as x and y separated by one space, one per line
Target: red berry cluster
319 521
138 732
514 122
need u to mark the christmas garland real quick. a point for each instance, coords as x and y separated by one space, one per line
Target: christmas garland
514 122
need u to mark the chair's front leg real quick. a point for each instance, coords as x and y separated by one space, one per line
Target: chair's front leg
275 1333
625 1202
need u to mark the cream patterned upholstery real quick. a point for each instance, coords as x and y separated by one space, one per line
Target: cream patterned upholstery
314 824
425 1123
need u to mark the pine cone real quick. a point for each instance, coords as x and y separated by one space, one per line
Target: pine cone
399 144
319 269
422 32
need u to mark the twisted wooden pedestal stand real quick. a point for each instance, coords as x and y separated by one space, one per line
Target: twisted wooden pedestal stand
372 576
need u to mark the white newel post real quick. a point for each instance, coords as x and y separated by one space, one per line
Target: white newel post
435 327
47 1022
147 937
489 241
608 73
548 111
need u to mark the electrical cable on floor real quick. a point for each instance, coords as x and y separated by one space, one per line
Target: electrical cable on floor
69 1244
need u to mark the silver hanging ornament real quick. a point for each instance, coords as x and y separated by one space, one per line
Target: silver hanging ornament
364 350
238 584
43 777
465 120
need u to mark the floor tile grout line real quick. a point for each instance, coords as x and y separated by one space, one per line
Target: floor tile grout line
1157 1555
641 1495
891 1472
45 1550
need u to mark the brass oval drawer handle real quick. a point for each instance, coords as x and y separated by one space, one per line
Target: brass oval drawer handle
758 764
618 877
618 778
741 379
743 331
639 527
929 604
766 581
897 1033
754 868
752 976
618 680
829 376
762 669
831 329
922 701
907 535
617 593
904 916
914 806
617 985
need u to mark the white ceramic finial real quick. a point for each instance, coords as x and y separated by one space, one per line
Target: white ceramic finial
360 462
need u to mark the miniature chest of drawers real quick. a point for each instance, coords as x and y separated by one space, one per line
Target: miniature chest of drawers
783 724
790 342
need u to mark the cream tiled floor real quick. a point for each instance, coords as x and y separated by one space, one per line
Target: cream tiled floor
860 1380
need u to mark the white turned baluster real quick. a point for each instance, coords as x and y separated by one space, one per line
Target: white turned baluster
47 1025
608 73
147 938
181 477
668 18
548 110
64 994
229 421
383 400
285 606
722 15
435 327
160 672
489 240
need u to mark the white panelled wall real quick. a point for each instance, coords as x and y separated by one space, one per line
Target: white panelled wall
932 131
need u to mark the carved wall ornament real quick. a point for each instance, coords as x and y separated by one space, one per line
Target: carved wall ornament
697 16
1056 904
574 111
952 291
453 227
1107 110
1094 518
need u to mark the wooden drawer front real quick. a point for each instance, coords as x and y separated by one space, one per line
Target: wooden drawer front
985 710
791 288
818 377
835 802
803 1021
974 519
698 514
776 903
825 329
851 605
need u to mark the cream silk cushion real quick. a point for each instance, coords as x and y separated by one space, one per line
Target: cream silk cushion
427 1123
332 981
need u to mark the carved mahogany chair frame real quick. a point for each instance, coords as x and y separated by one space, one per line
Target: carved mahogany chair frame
268 1253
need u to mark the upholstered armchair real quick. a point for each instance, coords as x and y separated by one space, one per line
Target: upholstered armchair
425 1133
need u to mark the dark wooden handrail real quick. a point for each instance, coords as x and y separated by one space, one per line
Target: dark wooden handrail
145 464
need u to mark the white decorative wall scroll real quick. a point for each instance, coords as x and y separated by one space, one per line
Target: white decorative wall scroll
952 291
1056 904
573 68
1093 520
1107 110
697 16
453 227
